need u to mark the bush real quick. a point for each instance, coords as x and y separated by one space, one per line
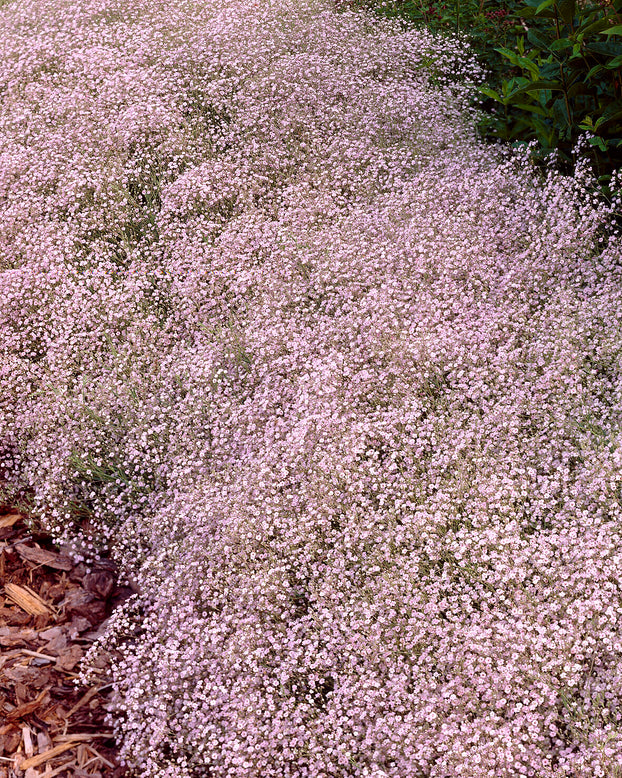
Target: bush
554 72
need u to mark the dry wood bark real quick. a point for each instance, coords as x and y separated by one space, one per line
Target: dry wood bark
51 609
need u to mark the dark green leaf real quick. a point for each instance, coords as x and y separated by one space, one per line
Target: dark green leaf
544 5
530 66
537 86
561 44
490 93
532 107
549 70
534 37
610 114
609 49
567 10
546 14
597 141
546 136
596 69
601 24
580 88
511 55
560 112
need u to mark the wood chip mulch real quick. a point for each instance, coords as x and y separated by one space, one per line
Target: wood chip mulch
51 611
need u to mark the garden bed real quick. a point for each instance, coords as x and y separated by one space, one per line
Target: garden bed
51 611
336 385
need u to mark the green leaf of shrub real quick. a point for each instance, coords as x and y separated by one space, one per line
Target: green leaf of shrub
580 88
543 6
549 70
596 69
610 113
490 93
532 108
560 112
609 49
561 44
598 141
601 24
527 64
533 36
511 55
537 86
567 10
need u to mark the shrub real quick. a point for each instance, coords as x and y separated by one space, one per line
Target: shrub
553 72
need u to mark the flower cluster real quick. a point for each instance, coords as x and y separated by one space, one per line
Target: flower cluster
338 386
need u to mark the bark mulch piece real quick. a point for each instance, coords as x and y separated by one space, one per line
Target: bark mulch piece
51 610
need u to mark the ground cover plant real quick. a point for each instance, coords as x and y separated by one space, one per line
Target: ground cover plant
335 383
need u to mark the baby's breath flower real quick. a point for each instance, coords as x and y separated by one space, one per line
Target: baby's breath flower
336 384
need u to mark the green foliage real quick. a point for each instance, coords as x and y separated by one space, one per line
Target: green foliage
482 20
566 81
554 70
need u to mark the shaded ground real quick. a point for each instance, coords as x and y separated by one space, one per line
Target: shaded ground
51 610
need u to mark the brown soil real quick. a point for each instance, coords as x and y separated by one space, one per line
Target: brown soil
51 611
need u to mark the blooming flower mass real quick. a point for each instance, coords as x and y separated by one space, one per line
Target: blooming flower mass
338 385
